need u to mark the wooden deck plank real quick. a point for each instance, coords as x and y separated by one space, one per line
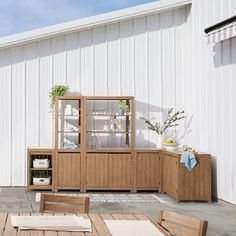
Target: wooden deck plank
99 225
123 216
3 219
9 230
106 216
94 231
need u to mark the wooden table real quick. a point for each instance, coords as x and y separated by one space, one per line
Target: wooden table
98 225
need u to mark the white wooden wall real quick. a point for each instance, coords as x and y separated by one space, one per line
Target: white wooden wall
163 60
210 96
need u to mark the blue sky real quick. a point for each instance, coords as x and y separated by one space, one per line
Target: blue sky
22 15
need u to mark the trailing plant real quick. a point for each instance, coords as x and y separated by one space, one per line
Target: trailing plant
57 90
171 121
123 106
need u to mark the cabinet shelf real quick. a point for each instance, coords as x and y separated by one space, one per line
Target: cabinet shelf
109 115
109 150
60 115
69 150
69 132
40 168
40 186
108 132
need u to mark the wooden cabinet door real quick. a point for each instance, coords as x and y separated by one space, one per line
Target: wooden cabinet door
148 171
68 174
96 170
170 174
120 171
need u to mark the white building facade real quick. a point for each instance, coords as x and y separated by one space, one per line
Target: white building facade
156 52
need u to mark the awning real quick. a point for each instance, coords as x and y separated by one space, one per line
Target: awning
221 31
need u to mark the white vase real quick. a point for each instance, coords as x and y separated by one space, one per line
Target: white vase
160 138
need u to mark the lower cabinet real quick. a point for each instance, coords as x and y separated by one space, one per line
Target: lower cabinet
148 171
68 174
187 185
108 171
96 171
120 171
170 174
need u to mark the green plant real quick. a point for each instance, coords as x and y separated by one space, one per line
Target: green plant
171 121
123 106
57 90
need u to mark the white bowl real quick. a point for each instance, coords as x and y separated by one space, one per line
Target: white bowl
170 146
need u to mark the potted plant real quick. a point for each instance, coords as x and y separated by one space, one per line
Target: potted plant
41 179
171 121
57 90
122 107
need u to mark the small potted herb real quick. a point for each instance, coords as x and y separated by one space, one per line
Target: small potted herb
122 107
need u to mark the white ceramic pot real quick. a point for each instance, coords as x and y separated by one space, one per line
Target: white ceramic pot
159 141
41 181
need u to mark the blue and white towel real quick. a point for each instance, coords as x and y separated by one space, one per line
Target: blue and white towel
189 160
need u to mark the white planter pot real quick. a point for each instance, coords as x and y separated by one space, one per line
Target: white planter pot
160 139
41 163
41 181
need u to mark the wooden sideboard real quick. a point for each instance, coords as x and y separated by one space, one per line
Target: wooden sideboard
145 169
94 150
186 185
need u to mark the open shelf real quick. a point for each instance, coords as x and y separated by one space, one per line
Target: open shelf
108 115
40 186
69 150
41 168
36 168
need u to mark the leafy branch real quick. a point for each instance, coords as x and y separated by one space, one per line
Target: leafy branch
171 121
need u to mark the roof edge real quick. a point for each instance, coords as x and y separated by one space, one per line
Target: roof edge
91 22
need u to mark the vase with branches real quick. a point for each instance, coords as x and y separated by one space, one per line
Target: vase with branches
172 120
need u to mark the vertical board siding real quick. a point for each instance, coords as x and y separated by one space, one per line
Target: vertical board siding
161 59
72 62
32 94
154 52
127 58
141 79
86 62
18 117
5 118
45 84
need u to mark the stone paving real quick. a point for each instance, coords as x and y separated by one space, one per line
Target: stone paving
220 215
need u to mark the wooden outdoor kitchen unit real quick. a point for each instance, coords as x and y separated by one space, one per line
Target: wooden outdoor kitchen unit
90 153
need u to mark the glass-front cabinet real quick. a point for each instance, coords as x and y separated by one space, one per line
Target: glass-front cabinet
109 123
68 123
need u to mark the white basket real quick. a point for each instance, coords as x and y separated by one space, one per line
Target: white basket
41 181
41 163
